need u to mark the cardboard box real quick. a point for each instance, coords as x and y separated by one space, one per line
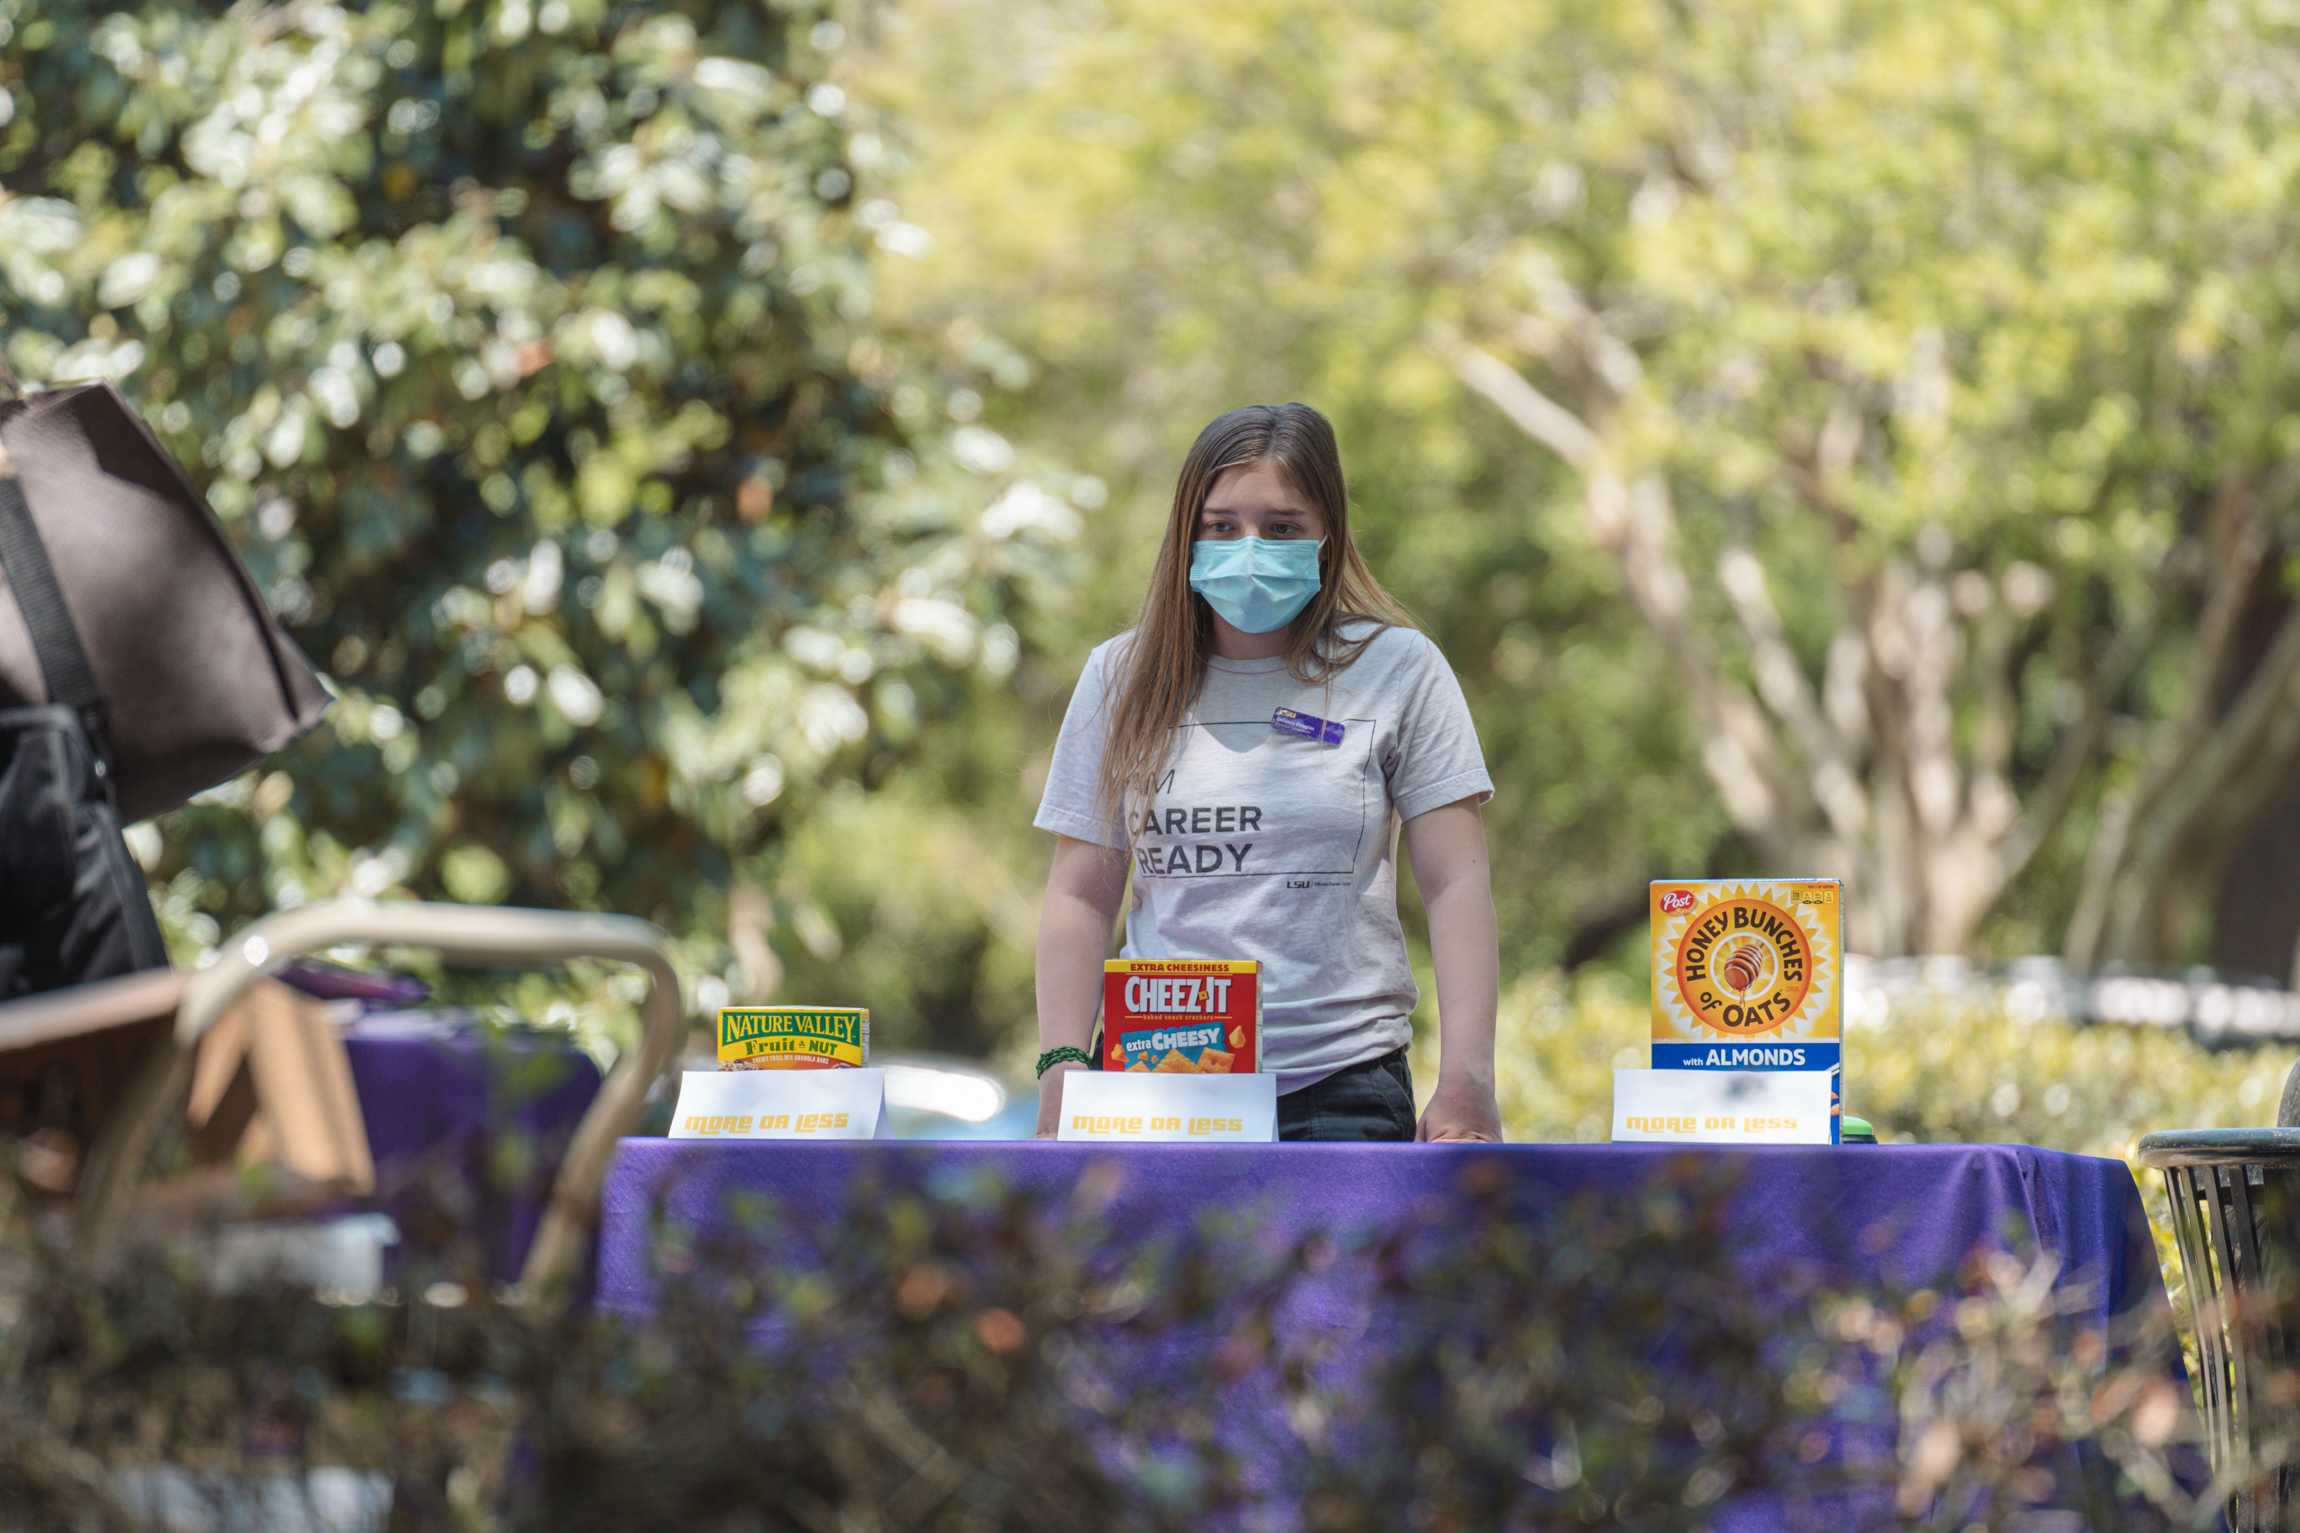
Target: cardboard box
1190 1016
793 1037
1747 974
270 1087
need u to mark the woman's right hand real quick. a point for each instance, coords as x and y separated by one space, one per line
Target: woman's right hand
1050 1098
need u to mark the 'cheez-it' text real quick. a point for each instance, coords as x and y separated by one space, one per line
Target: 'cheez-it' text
1186 997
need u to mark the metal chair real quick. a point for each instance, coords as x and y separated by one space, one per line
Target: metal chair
462 934
2236 1214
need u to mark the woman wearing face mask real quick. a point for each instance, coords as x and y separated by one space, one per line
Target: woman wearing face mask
1245 840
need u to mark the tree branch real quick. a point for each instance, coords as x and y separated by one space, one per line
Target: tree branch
750 920
2105 921
1597 928
1528 409
1913 643
2238 545
1836 446
2260 730
2049 803
1783 687
1636 523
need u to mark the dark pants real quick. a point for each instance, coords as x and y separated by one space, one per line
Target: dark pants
1374 1100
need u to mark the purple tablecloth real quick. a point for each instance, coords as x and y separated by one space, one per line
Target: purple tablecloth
1857 1214
1909 1213
467 1124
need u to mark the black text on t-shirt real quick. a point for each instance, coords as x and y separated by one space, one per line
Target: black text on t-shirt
1221 855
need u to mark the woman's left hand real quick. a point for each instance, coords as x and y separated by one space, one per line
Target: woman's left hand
1461 1112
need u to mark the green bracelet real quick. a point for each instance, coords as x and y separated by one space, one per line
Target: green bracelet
1055 1056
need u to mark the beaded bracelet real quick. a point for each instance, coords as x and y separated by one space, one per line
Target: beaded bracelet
1056 1056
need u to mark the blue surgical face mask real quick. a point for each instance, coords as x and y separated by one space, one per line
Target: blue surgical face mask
1258 585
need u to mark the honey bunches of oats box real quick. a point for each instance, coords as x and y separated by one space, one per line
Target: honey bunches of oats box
793 1037
1748 974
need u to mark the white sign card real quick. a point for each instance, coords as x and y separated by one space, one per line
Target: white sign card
1722 1107
780 1104
1135 1107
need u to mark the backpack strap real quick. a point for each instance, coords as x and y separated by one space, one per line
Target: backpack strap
55 641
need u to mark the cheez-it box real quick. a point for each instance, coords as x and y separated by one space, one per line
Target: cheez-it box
1186 1016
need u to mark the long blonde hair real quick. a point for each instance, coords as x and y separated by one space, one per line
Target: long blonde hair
1161 670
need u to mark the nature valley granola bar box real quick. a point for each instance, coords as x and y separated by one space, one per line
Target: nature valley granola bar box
1748 974
1186 1016
793 1037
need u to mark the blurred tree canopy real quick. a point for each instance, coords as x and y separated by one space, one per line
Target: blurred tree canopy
1845 437
1838 437
529 354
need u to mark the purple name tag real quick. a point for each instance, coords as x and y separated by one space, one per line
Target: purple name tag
1292 723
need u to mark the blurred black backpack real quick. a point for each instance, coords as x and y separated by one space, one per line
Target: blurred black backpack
138 665
73 906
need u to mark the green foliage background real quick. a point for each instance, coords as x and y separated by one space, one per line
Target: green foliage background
530 357
1965 323
701 442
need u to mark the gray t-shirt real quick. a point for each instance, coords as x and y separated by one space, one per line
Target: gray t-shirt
1267 845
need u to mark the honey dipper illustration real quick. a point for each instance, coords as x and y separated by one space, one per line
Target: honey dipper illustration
1741 968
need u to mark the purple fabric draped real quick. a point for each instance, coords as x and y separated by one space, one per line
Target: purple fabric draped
467 1124
1907 1213
1861 1215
